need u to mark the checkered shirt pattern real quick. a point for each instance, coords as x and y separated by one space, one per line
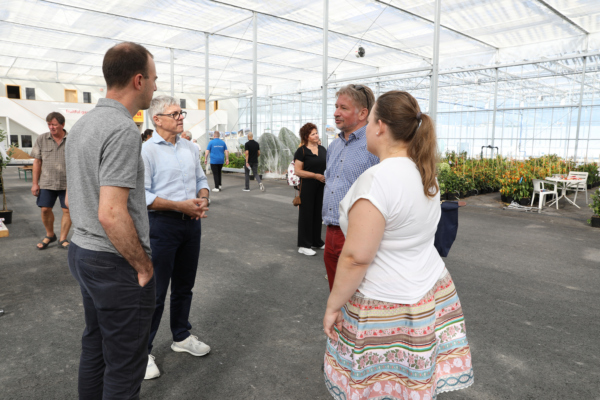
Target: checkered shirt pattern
346 161
54 169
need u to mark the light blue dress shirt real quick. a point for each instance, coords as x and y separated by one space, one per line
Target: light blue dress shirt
346 161
173 172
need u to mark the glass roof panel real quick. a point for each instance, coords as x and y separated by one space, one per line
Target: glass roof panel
396 34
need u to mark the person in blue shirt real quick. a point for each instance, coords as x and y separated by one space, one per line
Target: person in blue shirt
177 198
347 159
217 149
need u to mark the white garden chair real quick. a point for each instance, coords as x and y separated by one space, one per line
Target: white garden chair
580 186
542 192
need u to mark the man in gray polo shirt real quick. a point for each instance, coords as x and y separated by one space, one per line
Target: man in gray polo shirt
110 251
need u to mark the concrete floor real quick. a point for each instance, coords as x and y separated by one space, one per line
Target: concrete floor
529 285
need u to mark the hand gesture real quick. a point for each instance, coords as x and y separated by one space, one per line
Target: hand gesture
332 319
35 189
195 208
204 208
320 178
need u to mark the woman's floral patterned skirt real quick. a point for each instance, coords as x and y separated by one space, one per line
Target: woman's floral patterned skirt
399 351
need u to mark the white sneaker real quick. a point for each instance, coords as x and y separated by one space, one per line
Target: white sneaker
220 187
319 248
215 190
246 190
261 186
151 369
191 345
306 251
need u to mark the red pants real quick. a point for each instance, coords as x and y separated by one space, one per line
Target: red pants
334 241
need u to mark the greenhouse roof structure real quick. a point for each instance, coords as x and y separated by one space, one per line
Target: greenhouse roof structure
65 40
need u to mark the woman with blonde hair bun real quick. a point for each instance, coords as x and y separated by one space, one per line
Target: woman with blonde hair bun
394 322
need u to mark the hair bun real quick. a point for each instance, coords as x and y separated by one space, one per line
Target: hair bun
419 116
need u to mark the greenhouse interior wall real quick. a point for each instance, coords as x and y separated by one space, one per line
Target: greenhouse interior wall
538 109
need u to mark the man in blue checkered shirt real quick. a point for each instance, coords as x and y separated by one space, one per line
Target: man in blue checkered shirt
347 159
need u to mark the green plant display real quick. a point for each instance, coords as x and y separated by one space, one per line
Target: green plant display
595 203
459 175
236 160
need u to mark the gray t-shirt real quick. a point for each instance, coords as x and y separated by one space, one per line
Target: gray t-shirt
104 149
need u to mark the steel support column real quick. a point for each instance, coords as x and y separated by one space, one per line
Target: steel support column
172 72
255 74
300 113
271 114
206 93
495 110
8 134
587 147
433 91
325 68
579 110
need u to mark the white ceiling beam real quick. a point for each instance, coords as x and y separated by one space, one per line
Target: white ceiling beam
190 29
562 16
473 38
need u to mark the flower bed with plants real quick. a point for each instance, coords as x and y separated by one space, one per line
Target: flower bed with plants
460 176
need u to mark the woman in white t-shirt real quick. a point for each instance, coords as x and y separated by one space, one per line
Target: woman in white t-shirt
394 321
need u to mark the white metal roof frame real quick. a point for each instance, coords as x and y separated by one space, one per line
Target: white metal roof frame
236 47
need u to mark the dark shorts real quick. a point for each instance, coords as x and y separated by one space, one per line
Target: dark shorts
47 198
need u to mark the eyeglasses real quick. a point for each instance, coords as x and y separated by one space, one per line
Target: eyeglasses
175 115
360 87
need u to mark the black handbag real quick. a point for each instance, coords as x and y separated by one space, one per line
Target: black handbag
447 228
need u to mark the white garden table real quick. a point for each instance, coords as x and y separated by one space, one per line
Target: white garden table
563 184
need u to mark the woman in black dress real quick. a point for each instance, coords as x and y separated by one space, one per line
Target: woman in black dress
310 161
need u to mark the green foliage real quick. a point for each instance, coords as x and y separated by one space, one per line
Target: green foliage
592 170
595 202
4 161
236 161
458 174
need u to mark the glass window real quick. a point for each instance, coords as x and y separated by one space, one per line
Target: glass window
14 139
182 103
593 150
13 91
87 97
26 141
30 93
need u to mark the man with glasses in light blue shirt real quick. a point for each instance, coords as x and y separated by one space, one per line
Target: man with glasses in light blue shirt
177 198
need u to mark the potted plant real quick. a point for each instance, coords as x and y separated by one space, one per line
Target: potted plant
4 212
595 206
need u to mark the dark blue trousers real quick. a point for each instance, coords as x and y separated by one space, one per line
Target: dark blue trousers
118 312
175 250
